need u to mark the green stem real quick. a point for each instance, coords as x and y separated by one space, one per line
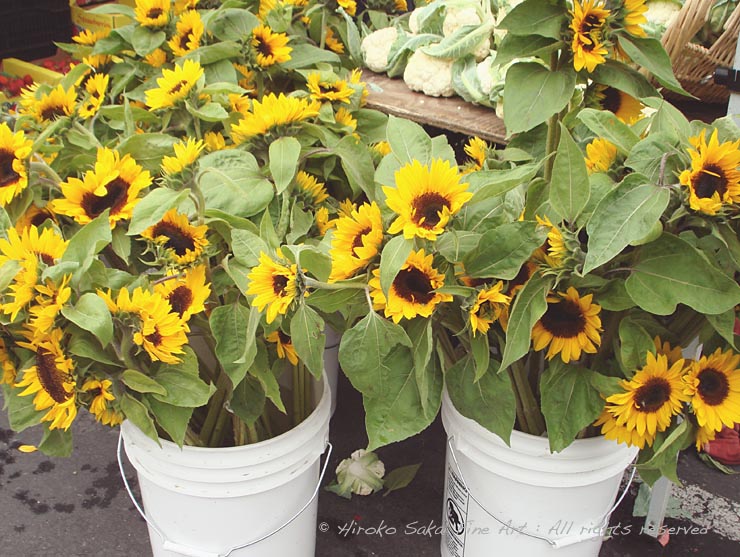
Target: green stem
40 166
313 283
307 395
530 409
447 349
282 226
218 430
265 420
553 129
87 133
252 434
296 397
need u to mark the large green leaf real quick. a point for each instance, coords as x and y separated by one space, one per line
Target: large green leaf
455 244
183 383
519 46
650 54
625 214
422 344
92 314
307 334
248 400
22 413
607 126
144 39
141 383
357 163
247 246
284 153
463 40
532 94
569 185
623 77
489 401
569 402
634 344
408 141
534 17
138 414
364 349
56 442
394 255
148 149
232 24
670 271
657 157
491 183
173 419
529 305
262 371
234 328
503 250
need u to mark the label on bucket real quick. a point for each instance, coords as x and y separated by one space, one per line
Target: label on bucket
456 514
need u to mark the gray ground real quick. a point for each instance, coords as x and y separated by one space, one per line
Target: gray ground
77 506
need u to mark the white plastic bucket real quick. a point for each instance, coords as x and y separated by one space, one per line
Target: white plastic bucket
331 362
524 500
205 502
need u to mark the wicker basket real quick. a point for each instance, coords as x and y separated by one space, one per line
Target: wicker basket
694 64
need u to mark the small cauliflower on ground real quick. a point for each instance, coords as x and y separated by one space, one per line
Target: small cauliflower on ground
431 76
375 48
360 474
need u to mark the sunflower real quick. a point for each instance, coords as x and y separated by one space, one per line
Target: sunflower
650 399
270 48
101 395
587 23
477 149
553 251
323 223
96 87
713 383
345 118
271 113
88 37
350 6
48 304
152 13
633 17
621 433
355 78
570 325
334 90
600 155
246 78
673 353
15 150
9 370
624 106
214 141
186 153
185 5
714 179
55 104
51 380
174 85
382 148
332 42
425 197
309 186
189 33
157 329
156 58
356 241
114 183
412 292
186 294
274 286
285 348
183 242
488 308
703 436
526 272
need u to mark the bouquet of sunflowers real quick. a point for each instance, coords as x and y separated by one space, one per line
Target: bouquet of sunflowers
141 194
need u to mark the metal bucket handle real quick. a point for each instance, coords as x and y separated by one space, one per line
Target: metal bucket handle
169 545
557 543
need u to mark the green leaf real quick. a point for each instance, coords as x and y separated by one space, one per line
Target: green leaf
137 381
148 149
492 183
209 112
307 335
300 223
247 246
650 54
231 24
135 411
534 17
184 386
306 55
422 347
56 442
606 125
231 182
8 270
532 94
519 46
529 305
357 163
569 186
503 250
481 355
626 214
88 242
92 314
647 157
396 412
234 327
664 458
268 232
364 349
394 255
635 343
668 119
173 419
670 271
724 324
22 413
261 371
400 477
144 40
150 210
624 78
248 400
408 141
330 301
614 296
82 345
463 40
284 153
569 402
453 245
215 52
490 401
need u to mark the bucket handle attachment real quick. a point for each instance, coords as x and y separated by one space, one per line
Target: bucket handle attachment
169 545
556 543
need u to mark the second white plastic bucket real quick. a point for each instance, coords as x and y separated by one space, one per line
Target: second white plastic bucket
204 502
524 500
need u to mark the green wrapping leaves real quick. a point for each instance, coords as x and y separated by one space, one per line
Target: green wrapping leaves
670 271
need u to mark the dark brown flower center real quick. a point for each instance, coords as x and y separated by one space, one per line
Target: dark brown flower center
46 258
178 86
284 339
413 285
652 395
612 100
51 112
710 180
51 379
39 218
178 240
8 176
525 272
154 338
357 242
154 13
181 298
115 199
428 208
564 319
589 23
713 386
264 47
279 283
